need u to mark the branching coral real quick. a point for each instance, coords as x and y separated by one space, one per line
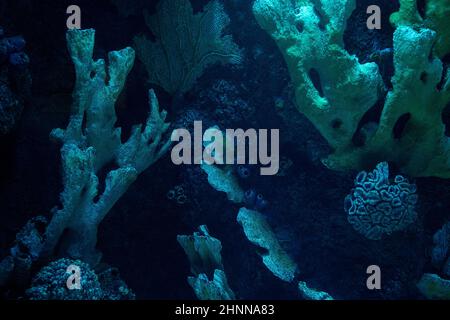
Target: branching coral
92 141
336 92
185 44
376 207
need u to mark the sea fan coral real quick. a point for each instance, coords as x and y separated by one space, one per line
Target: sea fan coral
185 44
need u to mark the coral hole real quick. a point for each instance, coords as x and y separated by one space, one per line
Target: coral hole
400 125
424 77
446 119
336 123
421 7
315 78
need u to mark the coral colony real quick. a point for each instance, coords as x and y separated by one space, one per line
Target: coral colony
350 104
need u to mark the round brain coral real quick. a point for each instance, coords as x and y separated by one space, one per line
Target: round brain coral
377 207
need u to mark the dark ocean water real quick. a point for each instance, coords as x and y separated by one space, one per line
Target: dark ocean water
304 206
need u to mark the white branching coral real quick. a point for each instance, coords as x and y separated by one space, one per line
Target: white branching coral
92 141
186 44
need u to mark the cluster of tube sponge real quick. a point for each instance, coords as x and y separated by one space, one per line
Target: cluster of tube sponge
377 207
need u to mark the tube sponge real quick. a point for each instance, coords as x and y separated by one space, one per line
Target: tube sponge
335 91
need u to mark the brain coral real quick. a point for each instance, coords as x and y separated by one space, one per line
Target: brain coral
377 207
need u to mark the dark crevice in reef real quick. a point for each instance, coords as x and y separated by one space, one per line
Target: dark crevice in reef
421 8
102 178
400 125
446 63
322 21
424 77
315 78
300 26
369 123
336 124
446 119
